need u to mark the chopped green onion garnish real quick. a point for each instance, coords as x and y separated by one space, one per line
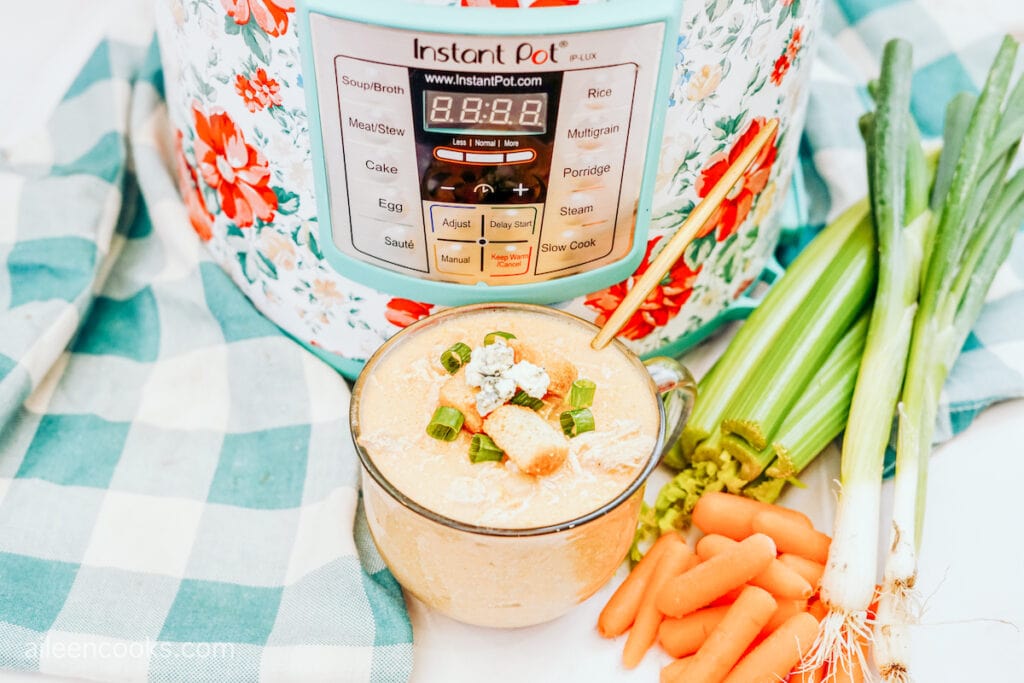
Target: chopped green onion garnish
483 449
491 336
524 399
457 355
445 424
575 422
581 395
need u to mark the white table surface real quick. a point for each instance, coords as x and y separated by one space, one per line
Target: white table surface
971 566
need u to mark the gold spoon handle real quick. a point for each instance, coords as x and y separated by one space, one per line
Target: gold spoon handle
673 249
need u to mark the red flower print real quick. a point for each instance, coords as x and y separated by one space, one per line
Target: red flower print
782 65
660 306
796 41
236 170
270 15
733 210
188 186
258 91
404 312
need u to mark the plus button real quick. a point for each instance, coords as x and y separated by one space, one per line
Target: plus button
520 189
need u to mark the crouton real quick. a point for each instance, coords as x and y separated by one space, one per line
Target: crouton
561 371
456 393
534 445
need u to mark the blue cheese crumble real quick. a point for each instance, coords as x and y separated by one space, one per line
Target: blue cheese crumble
493 369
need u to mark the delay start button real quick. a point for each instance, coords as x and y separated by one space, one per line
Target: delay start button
503 225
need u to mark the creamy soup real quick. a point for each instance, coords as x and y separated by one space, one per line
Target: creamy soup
401 391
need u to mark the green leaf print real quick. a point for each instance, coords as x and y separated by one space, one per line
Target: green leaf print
266 265
230 27
287 202
257 41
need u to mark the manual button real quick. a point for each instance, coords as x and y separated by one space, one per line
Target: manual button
457 258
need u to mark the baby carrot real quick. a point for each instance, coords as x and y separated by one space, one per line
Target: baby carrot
792 537
785 610
675 559
728 640
675 671
811 571
851 671
708 580
619 613
773 659
817 609
728 598
731 515
684 636
777 579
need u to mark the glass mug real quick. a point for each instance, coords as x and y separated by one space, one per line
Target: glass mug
502 577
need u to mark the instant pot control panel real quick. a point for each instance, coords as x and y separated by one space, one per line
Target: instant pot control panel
501 160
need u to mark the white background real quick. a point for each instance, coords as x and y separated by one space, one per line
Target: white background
972 564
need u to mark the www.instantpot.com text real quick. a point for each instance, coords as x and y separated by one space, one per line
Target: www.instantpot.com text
484 80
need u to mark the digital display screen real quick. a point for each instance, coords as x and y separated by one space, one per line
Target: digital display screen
506 114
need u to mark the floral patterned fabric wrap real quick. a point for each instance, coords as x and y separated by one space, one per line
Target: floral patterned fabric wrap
234 91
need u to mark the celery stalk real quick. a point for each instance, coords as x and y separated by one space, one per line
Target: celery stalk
757 411
820 414
755 338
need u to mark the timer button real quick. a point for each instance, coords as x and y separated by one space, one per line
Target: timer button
510 225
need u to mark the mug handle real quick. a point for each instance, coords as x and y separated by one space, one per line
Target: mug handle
678 392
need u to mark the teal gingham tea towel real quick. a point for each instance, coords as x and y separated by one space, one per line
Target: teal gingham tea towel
178 490
954 43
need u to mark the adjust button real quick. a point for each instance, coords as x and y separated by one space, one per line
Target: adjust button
457 258
454 222
398 244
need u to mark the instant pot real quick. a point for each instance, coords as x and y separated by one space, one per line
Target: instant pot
355 166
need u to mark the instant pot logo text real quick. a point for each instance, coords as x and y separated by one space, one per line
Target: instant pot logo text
453 53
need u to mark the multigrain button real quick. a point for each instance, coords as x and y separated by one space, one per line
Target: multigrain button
457 258
455 222
599 130
506 260
398 244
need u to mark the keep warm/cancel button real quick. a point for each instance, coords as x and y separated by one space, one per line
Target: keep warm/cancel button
504 260
570 248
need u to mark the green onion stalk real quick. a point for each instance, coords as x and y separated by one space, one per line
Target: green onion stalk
979 214
901 229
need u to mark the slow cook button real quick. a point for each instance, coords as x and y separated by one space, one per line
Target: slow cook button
571 247
454 222
457 258
370 82
381 202
506 260
398 244
510 224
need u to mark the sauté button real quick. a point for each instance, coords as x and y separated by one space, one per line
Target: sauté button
397 244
